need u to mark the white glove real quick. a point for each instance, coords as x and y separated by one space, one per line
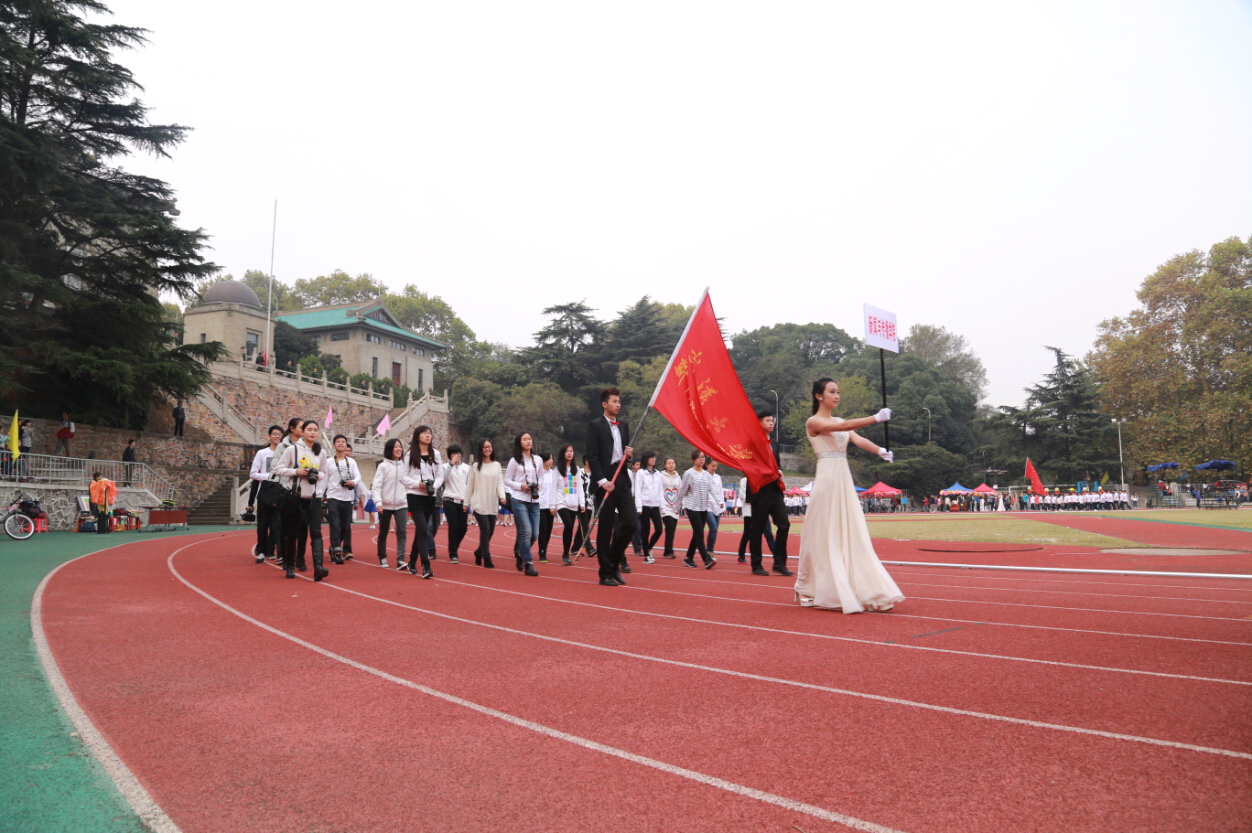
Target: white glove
888 456
883 415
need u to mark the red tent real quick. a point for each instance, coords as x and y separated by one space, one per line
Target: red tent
984 489
880 489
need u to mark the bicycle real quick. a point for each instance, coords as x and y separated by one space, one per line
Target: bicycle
19 518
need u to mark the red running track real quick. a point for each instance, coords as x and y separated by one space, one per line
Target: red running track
689 700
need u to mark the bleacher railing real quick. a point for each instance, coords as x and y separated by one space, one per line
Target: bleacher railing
76 473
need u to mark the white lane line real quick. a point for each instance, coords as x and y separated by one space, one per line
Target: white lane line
756 677
1244 602
965 574
148 811
899 615
595 746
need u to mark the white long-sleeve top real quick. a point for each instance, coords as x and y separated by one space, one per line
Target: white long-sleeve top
485 487
339 471
262 465
388 492
670 484
717 494
547 488
301 456
456 482
648 488
568 490
413 477
518 475
694 491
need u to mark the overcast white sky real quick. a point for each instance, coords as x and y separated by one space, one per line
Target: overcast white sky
1010 171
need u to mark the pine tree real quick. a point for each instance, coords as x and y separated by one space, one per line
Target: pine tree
85 247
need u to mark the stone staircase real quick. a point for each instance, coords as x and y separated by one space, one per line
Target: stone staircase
215 509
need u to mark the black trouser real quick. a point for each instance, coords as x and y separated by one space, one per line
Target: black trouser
130 474
340 514
545 531
698 519
769 504
745 536
618 523
570 520
178 426
671 526
637 540
458 523
384 526
432 526
420 507
102 519
650 517
269 533
486 528
309 520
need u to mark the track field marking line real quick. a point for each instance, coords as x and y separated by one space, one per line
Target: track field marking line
148 811
873 642
996 577
899 615
756 677
595 746
1082 593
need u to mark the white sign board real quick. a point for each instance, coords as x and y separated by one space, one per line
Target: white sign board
880 329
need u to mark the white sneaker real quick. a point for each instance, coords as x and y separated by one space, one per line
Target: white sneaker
372 526
383 563
647 559
400 565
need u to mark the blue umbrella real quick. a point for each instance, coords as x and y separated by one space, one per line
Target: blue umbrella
1217 465
1160 466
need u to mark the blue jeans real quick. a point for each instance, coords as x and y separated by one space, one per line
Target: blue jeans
527 515
715 518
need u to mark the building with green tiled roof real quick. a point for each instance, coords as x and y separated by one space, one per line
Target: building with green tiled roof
366 336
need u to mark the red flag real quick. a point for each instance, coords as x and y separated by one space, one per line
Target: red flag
1036 485
701 396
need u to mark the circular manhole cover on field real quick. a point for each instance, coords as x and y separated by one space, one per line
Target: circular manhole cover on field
1172 551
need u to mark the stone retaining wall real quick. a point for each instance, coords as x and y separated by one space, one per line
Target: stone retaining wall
61 503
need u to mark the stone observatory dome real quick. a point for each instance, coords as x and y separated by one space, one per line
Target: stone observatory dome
231 292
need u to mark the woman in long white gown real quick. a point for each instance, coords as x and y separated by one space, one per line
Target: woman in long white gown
839 569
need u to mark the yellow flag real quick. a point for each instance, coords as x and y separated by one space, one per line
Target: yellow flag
1104 479
14 448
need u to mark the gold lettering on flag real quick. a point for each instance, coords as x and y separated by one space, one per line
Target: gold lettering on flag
687 364
739 452
717 424
705 390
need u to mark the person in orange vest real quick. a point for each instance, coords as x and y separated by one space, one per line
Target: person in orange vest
103 496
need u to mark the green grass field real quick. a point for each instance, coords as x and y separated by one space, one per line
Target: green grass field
983 527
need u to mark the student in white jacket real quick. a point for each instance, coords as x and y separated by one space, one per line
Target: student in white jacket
269 533
569 499
485 487
649 494
422 478
671 482
455 497
391 499
304 463
341 489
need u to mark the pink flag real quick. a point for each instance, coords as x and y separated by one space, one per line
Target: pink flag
330 416
385 425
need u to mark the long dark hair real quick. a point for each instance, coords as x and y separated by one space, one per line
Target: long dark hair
390 446
819 387
517 445
560 460
415 447
481 452
316 448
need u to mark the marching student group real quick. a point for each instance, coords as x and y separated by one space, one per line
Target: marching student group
297 480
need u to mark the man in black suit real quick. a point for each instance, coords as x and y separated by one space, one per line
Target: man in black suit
768 503
606 446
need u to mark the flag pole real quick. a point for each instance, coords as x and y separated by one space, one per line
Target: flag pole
882 366
595 515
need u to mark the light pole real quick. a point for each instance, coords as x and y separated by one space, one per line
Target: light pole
775 413
1121 466
927 410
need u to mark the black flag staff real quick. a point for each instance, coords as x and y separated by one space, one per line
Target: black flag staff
882 366
585 547
880 332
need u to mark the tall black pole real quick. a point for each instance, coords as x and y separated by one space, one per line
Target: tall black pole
882 365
